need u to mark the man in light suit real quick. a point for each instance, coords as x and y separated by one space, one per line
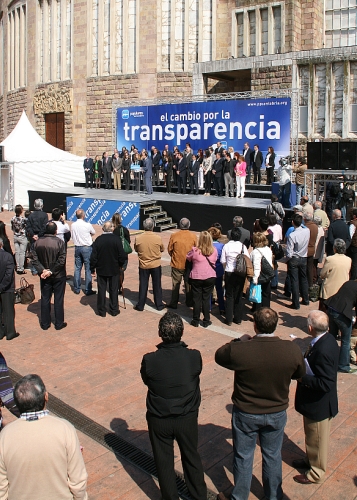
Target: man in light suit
193 169
88 171
336 270
316 398
248 153
107 170
257 164
147 172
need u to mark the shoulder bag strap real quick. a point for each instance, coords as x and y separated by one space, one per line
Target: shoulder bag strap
210 263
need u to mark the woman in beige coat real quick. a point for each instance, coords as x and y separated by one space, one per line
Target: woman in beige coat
336 270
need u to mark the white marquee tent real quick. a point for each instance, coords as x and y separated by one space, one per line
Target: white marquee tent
37 164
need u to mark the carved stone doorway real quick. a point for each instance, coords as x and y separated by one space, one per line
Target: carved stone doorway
55 129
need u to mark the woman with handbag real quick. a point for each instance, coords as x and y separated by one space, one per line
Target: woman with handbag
124 235
262 260
234 283
202 277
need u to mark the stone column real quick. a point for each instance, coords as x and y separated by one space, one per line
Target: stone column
148 47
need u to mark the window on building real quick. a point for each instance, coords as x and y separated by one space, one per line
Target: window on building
340 23
55 40
259 31
17 46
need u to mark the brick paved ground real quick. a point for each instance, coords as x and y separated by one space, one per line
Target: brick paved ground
93 365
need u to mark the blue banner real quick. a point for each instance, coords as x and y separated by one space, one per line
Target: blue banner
265 122
99 211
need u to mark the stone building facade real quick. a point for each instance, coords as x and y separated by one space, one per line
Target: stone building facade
67 62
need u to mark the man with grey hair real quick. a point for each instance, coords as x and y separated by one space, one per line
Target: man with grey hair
7 296
82 233
149 247
40 455
107 258
337 229
321 213
316 398
179 245
245 234
36 222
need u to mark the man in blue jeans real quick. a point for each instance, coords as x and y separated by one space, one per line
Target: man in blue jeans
82 233
260 399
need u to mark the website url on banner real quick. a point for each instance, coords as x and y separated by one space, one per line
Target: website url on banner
271 103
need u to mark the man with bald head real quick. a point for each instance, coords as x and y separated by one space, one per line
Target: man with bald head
337 229
82 233
179 245
107 258
316 398
321 213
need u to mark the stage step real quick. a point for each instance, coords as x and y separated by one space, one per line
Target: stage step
151 208
162 221
166 227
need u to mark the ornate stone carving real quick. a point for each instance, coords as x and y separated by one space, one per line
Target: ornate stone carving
52 99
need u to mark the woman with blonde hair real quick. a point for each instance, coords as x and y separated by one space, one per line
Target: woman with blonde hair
202 277
97 170
261 249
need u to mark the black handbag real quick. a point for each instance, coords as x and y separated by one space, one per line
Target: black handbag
277 250
25 294
266 271
240 266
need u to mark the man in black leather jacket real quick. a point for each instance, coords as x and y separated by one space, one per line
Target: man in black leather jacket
49 259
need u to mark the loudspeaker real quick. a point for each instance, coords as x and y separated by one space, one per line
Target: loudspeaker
329 156
347 155
2 153
314 155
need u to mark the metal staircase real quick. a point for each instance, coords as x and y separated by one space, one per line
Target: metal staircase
153 210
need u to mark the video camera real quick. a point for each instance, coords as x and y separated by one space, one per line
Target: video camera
286 160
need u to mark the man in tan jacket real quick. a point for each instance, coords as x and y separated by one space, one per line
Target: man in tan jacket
336 270
40 455
179 245
149 247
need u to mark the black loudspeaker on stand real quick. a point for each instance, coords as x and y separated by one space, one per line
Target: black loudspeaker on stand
340 155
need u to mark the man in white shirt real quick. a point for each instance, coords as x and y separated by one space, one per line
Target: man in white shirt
284 176
82 233
63 231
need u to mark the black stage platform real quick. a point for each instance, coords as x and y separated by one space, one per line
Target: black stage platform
202 211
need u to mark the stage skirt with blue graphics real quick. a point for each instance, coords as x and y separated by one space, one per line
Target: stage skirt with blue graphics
99 211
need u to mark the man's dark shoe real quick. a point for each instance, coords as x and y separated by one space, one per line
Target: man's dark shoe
160 308
205 324
302 479
77 292
291 306
195 323
91 292
44 327
13 336
169 306
61 327
137 309
114 313
300 463
228 323
102 315
305 303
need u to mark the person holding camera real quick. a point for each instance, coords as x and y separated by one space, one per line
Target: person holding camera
284 176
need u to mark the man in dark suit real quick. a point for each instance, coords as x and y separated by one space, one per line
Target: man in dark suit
7 296
107 171
107 258
182 173
316 398
193 169
248 154
338 229
49 260
88 171
245 234
147 167
172 374
156 163
217 170
219 149
257 164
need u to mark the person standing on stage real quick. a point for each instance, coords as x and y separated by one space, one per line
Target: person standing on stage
207 172
270 165
49 260
257 164
229 175
217 171
97 171
182 173
107 170
193 169
156 163
117 164
147 167
172 375
88 171
248 154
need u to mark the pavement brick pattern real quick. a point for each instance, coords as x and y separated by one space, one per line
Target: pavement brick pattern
93 365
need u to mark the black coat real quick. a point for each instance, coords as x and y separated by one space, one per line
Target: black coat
258 160
338 229
182 167
194 168
107 255
49 252
156 160
36 223
172 374
249 156
7 272
345 300
316 396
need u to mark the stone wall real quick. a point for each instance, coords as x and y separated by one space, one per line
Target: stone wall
16 103
269 78
2 134
174 85
101 94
